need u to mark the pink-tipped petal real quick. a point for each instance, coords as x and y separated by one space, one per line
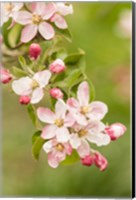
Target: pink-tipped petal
46 115
83 149
62 134
68 148
28 33
59 21
115 130
60 108
46 30
83 93
72 103
53 160
49 10
23 17
42 77
48 131
38 8
100 161
97 110
37 95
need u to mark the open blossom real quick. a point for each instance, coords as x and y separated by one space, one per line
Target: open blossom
115 130
61 10
56 151
33 87
92 133
5 76
9 10
82 109
57 123
57 66
56 93
36 21
34 51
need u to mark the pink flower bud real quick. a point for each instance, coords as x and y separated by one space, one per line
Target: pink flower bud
5 76
100 161
34 50
87 160
24 100
115 130
57 66
56 93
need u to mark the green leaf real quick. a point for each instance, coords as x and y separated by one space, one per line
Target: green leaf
35 136
71 159
18 72
37 145
92 90
33 116
22 62
74 58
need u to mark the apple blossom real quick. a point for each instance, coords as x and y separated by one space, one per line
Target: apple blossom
61 10
33 87
9 10
100 161
24 100
56 93
115 130
93 133
87 160
5 76
57 123
56 151
82 109
36 21
34 51
57 66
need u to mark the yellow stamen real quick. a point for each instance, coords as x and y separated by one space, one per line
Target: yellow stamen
82 133
34 84
36 19
59 122
84 110
59 147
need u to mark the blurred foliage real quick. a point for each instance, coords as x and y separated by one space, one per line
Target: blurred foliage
92 27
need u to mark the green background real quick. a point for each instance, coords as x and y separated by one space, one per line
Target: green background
108 60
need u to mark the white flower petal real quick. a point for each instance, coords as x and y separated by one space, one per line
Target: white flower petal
75 141
49 131
64 9
28 33
49 10
60 108
46 115
42 77
99 139
48 146
23 17
59 21
84 149
62 134
69 120
37 95
95 126
22 86
46 30
83 93
98 110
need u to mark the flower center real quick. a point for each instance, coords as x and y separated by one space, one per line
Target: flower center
84 110
82 133
36 19
59 122
59 147
34 84
9 7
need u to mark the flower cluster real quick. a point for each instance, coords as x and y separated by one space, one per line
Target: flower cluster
37 17
73 122
74 126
